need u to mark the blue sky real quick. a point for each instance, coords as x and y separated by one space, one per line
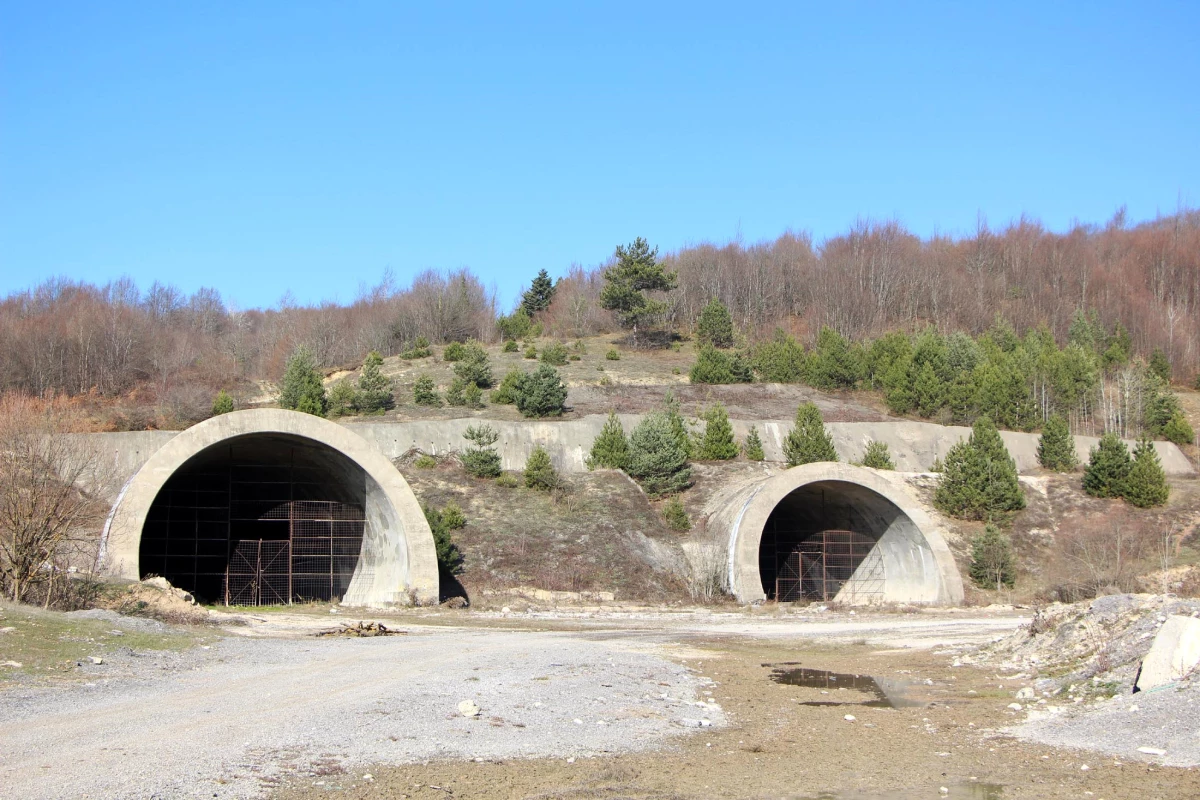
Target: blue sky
263 147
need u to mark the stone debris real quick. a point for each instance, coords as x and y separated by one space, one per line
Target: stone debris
468 708
1173 655
1152 751
13 664
363 629
96 660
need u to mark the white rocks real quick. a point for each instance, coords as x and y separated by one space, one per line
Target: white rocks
687 722
7 629
468 708
13 664
1152 751
849 718
1173 655
1014 706
1026 693
96 659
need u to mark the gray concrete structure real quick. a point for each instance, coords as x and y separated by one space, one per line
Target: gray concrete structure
917 565
398 561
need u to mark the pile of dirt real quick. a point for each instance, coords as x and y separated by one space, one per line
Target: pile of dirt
154 598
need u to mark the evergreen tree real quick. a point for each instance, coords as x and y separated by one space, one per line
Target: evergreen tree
961 398
753 448
674 412
979 477
717 444
472 365
541 393
898 386
992 562
374 388
456 394
539 294
927 390
342 399
781 360
715 326
539 470
481 459
554 354
676 516
516 325
1160 366
1056 446
1108 468
1146 484
636 272
610 450
714 367
808 441
223 404
425 392
1178 429
449 557
877 456
657 460
835 364
506 393
303 387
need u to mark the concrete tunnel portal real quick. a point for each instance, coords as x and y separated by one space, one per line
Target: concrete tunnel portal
266 507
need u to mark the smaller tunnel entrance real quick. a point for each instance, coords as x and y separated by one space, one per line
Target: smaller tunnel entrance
258 520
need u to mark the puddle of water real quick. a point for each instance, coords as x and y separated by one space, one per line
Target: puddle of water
962 791
888 693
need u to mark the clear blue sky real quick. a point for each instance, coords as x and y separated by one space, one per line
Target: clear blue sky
258 147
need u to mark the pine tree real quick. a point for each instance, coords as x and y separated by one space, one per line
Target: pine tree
717 443
657 460
1146 484
992 562
753 448
223 404
877 456
343 398
506 393
1108 468
1056 446
636 272
610 450
715 325
674 412
472 365
538 296
425 392
835 364
927 391
979 477
541 393
714 367
374 388
303 389
539 470
481 459
898 386
808 441
449 557
676 516
1160 366
1178 429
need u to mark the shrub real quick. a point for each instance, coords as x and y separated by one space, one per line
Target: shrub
610 450
674 411
835 364
425 392
657 459
516 325
877 456
506 393
507 480
511 346
541 393
481 459
808 441
449 557
531 351
717 443
342 399
223 404
539 471
715 367
425 461
453 516
753 448
613 354
715 326
420 349
992 563
472 396
374 388
781 360
1146 484
1178 430
554 354
979 477
303 388
1056 446
1160 366
472 365
456 395
1108 468
675 515
453 351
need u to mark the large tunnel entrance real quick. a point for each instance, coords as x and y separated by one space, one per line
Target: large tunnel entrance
259 520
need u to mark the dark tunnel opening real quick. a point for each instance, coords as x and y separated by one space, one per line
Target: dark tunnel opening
258 520
822 540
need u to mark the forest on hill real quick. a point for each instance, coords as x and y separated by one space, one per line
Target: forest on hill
1135 285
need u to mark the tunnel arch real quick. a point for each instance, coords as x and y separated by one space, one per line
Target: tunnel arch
905 557
396 563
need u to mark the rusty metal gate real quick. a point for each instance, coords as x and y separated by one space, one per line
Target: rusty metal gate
259 573
820 565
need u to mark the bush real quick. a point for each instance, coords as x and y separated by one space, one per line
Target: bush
449 557
507 480
554 354
781 360
539 471
420 349
472 365
1146 484
472 396
715 367
511 346
481 459
425 461
1160 366
808 441
456 395
610 450
1178 430
453 351
425 392
303 388
675 515
877 456
541 393
223 404
506 393
613 354
753 448
979 477
715 326
342 399
531 352
992 563
1056 446
1108 468
717 442
835 364
657 459
516 325
374 388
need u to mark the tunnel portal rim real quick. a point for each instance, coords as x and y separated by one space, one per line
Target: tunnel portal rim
420 581
745 578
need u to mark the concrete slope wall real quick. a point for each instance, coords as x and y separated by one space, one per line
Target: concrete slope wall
914 445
